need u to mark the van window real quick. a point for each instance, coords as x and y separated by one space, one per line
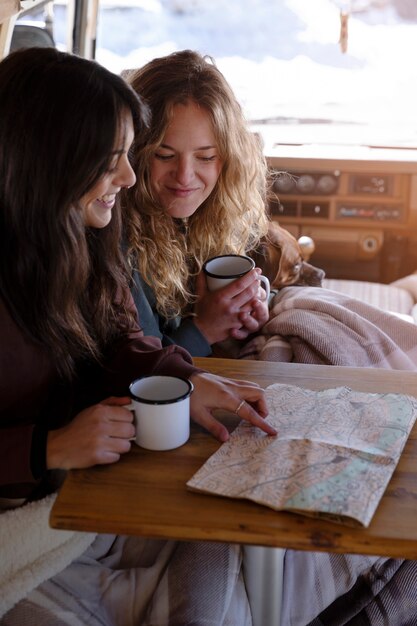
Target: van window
325 71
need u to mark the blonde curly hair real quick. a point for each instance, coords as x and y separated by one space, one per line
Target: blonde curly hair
169 252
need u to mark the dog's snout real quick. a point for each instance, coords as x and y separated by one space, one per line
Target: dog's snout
313 276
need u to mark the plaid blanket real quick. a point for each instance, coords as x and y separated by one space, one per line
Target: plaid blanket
348 590
315 325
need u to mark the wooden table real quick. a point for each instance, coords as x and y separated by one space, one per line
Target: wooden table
145 492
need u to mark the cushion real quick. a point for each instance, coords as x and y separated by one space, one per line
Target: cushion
409 283
393 298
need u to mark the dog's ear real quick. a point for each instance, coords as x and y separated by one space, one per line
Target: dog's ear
259 255
283 239
276 254
267 257
286 252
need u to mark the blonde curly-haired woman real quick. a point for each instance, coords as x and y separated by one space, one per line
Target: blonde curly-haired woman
201 191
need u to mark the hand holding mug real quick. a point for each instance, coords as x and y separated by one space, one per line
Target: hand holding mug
235 309
252 320
97 435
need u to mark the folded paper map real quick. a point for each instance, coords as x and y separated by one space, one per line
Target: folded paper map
334 455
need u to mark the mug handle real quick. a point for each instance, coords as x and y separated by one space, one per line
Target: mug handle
267 286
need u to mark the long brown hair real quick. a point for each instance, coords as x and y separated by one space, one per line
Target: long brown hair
232 219
60 116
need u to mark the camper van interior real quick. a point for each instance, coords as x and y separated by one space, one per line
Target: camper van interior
329 89
327 85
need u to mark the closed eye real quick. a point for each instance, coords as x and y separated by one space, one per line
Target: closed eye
207 159
164 157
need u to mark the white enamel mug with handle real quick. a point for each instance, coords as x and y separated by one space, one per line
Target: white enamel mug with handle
161 405
226 268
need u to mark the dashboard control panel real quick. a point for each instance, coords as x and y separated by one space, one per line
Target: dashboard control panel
306 182
361 213
374 212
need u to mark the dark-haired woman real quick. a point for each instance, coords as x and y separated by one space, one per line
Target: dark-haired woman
70 345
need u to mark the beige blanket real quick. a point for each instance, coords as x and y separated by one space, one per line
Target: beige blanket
316 325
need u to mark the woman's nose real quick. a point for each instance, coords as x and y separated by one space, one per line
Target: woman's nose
126 177
184 171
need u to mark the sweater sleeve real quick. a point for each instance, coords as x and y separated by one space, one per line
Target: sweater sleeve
138 356
33 400
184 334
190 338
28 382
144 300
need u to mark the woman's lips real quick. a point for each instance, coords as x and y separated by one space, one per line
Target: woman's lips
107 201
181 193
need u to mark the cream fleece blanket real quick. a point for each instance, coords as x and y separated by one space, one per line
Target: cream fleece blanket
32 552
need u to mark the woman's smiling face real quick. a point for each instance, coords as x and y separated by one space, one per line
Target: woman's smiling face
98 202
186 166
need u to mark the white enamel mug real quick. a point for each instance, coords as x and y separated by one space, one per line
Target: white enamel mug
161 405
224 269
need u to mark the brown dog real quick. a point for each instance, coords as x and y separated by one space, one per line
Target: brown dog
281 260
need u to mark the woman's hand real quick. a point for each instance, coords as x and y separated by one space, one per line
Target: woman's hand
97 435
253 320
244 398
233 311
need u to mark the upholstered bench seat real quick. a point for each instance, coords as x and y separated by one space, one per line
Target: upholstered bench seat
399 297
